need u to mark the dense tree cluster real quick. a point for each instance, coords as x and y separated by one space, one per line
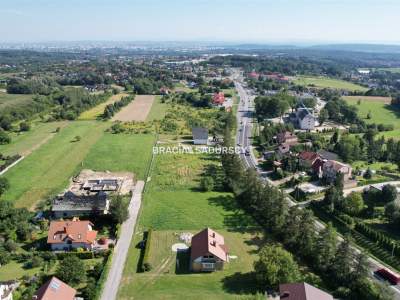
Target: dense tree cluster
41 86
273 106
338 264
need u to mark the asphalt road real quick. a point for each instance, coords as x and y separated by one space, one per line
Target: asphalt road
243 137
122 247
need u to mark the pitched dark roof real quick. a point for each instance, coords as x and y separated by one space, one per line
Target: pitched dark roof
200 133
55 289
70 201
302 291
328 155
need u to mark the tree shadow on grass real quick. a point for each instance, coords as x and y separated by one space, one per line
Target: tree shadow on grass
182 266
241 283
234 219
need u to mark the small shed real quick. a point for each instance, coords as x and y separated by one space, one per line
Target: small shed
200 135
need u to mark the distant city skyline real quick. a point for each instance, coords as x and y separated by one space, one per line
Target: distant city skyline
243 21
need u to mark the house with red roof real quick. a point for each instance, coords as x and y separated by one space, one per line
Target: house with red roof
254 75
218 98
55 289
301 291
307 159
208 251
72 234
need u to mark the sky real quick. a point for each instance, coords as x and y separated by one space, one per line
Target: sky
256 21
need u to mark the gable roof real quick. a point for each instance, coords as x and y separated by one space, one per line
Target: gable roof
207 242
200 133
71 201
55 289
307 155
337 166
302 291
74 230
317 165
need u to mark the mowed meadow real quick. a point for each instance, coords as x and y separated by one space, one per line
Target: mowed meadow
173 204
57 156
380 110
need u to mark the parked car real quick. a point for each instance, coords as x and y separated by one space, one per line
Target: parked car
388 275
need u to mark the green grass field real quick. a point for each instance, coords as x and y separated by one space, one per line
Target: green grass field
325 82
96 111
392 70
158 110
173 204
121 152
380 113
47 170
167 281
9 100
26 142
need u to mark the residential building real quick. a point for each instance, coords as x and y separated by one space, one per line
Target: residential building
200 135
287 137
331 168
55 289
218 98
208 251
305 119
307 159
73 234
89 193
300 291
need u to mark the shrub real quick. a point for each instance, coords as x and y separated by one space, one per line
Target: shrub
146 266
207 184
24 126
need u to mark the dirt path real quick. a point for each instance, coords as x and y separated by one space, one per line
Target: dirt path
137 110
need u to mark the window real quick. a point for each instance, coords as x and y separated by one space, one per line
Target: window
208 265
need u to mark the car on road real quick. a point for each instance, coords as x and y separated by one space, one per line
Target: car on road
388 275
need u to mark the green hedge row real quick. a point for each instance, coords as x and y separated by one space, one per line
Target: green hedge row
378 237
146 265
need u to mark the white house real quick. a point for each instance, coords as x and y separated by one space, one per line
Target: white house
305 119
331 168
6 291
73 234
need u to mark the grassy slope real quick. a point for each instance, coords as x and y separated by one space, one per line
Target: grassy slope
325 82
173 204
121 153
47 170
96 111
24 143
381 113
7 100
158 110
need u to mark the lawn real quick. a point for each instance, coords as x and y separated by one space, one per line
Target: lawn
25 142
121 152
377 166
166 281
173 203
381 113
96 111
391 70
15 270
47 170
325 82
8 100
158 110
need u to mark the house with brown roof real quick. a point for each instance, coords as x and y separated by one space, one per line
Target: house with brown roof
208 251
331 168
287 137
218 98
55 289
307 159
302 291
73 234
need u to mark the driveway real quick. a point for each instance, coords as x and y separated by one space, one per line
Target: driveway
121 249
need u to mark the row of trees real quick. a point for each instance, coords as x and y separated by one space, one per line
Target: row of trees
337 264
367 147
111 109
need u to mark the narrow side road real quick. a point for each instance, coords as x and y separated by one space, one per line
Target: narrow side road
121 249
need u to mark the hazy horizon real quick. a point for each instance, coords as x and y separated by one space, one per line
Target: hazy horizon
304 22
